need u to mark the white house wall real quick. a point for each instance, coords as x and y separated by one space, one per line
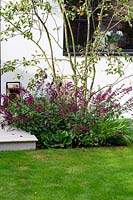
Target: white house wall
18 48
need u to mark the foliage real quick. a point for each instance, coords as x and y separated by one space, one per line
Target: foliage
58 119
106 109
30 19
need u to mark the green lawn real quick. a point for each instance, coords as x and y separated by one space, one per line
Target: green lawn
72 174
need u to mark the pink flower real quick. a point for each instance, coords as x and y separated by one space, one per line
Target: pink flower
29 100
18 105
39 108
84 127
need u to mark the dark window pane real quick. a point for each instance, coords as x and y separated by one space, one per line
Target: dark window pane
127 42
79 28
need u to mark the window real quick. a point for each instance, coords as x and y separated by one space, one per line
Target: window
119 35
13 90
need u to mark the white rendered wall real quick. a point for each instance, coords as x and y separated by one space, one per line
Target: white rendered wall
18 48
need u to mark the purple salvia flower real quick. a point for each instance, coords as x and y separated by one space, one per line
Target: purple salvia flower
29 100
62 111
39 108
127 90
73 107
75 128
53 94
21 118
8 117
69 85
84 128
5 99
43 101
21 91
48 85
116 105
18 105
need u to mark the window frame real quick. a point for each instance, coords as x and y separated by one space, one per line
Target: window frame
100 52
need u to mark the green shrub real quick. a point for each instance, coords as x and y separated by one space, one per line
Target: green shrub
58 119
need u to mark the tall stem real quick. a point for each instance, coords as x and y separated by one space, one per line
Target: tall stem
74 49
49 39
86 50
94 55
66 22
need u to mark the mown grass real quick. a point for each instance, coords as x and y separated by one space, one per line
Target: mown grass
70 174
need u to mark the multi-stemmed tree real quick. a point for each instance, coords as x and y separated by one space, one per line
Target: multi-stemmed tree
90 28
